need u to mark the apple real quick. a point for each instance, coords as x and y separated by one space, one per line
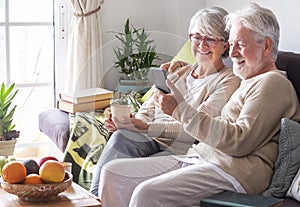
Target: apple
3 161
52 171
44 159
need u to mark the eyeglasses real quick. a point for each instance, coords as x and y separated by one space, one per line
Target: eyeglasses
210 41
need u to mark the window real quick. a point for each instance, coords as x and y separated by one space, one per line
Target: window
27 59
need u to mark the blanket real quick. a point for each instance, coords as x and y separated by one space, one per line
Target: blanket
88 138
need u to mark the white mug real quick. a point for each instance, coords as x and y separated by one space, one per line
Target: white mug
120 112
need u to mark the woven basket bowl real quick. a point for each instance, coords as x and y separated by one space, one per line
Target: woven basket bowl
38 192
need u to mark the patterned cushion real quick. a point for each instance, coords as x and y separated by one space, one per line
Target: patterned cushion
288 161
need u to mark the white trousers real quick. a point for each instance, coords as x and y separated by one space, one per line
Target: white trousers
158 181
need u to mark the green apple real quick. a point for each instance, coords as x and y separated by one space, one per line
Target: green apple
3 161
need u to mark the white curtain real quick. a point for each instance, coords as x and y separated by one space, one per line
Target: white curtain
84 56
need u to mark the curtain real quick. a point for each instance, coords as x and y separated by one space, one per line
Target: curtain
84 56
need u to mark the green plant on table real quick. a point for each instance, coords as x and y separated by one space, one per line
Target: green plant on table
7 112
136 53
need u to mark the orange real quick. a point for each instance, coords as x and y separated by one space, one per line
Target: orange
52 171
14 172
33 179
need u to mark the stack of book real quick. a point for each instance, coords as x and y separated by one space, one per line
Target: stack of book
84 100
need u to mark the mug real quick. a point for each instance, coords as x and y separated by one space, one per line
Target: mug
120 112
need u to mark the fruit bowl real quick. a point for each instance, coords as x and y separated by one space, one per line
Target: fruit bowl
38 192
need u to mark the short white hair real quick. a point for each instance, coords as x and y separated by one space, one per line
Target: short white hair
258 19
211 21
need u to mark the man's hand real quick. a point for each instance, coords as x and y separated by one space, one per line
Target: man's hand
168 102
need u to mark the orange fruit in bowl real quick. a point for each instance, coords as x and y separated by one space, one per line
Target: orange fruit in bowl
33 179
14 172
52 171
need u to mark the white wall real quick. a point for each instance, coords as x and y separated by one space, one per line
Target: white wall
168 21
165 19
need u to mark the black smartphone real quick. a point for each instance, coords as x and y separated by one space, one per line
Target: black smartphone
159 77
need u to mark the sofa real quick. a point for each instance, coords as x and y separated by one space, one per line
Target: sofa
55 123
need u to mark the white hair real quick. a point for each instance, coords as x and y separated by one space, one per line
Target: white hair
211 21
258 19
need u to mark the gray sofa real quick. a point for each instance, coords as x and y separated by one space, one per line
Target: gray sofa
55 123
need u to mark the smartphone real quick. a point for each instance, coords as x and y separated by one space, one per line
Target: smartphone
159 77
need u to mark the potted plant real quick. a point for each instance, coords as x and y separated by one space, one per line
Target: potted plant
7 134
136 54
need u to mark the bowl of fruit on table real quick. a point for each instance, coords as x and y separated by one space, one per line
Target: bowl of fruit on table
35 181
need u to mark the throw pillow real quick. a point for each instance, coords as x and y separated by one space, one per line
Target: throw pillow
185 54
294 190
288 161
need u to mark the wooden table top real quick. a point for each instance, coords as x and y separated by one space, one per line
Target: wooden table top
74 196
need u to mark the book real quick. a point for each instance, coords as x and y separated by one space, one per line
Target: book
233 199
80 107
86 95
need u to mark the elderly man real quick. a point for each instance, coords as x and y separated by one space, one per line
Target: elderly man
237 150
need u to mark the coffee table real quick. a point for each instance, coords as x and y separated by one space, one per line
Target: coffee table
74 196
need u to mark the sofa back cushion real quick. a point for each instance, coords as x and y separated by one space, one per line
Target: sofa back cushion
290 62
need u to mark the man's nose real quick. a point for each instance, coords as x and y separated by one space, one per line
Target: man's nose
233 50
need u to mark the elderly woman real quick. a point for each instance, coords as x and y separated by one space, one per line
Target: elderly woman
207 86
233 147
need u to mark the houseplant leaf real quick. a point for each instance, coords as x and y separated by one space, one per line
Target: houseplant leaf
7 111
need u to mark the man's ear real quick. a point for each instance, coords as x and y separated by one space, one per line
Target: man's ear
226 46
268 46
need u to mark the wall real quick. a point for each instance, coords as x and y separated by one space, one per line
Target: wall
165 19
168 21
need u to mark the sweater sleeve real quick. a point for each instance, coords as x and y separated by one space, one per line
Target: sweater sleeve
147 110
249 121
210 98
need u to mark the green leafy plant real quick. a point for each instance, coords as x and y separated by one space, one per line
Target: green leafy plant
136 53
7 112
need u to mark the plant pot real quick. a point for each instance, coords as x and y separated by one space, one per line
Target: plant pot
138 75
7 148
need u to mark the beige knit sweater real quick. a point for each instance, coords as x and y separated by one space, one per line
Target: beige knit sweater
243 141
211 96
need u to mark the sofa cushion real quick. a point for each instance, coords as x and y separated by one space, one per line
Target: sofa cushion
288 161
55 124
289 62
185 54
